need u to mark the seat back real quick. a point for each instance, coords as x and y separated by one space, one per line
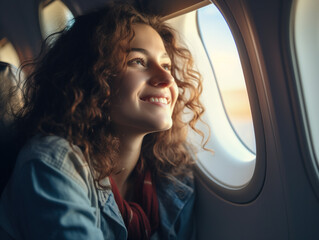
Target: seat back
10 101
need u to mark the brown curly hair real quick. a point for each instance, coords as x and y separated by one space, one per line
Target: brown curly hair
69 91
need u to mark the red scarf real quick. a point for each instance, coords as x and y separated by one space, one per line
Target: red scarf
141 217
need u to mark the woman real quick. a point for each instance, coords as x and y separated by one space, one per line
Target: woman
104 151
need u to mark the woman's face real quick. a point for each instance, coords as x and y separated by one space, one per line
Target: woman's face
147 91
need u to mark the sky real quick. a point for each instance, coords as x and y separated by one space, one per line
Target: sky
221 48
223 54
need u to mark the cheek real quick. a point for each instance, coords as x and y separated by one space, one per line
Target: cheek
130 84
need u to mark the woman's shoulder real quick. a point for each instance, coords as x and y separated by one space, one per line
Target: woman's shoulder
52 150
181 186
39 141
176 196
185 178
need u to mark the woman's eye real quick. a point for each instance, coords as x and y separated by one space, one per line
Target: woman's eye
167 67
138 61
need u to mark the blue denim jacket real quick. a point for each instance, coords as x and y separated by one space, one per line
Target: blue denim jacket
52 195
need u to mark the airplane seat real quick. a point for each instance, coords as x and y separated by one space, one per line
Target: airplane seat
10 101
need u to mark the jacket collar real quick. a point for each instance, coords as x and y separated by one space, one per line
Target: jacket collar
173 194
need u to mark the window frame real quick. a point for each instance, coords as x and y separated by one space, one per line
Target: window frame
251 190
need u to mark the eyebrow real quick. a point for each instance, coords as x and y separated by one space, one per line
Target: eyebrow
144 51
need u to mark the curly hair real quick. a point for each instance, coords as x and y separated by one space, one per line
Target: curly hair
69 91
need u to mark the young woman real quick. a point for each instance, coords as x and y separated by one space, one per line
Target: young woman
104 151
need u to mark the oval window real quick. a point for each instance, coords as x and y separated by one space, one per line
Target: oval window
8 53
54 17
224 96
223 54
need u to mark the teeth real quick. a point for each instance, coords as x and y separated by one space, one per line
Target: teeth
160 100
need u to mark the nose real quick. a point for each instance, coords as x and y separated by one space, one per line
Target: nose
161 77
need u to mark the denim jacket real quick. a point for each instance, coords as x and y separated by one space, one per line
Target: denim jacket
52 195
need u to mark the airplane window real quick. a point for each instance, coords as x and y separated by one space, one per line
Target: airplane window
54 17
8 53
222 51
224 96
305 37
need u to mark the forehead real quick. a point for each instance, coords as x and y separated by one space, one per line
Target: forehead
146 37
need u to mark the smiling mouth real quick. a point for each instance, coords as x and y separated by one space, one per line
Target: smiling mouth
160 100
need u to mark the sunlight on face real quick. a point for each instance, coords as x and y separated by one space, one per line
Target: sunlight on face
147 90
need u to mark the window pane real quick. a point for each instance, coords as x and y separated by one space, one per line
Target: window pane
8 53
222 51
54 17
232 165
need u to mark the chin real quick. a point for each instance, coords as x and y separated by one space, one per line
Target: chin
159 127
164 127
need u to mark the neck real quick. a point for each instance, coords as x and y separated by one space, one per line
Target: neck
129 154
